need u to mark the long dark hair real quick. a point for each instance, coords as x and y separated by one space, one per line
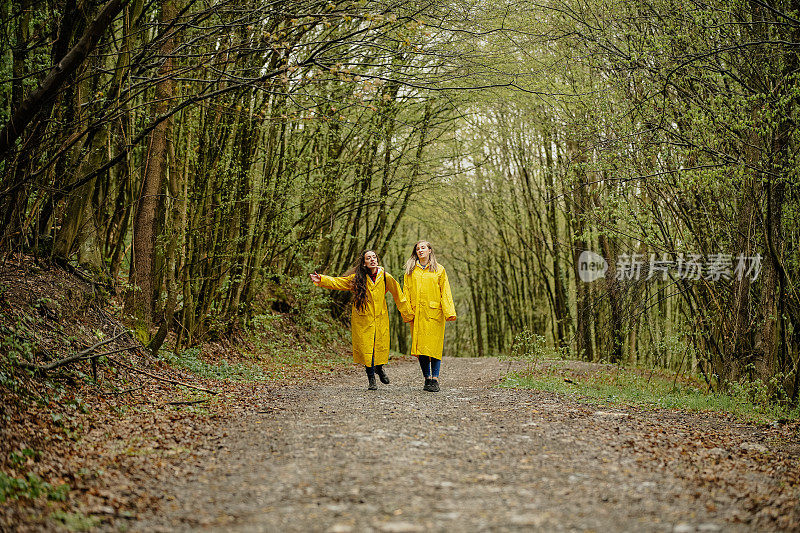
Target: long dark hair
360 280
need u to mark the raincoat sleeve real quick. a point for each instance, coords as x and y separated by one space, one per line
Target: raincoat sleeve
339 284
407 291
399 298
448 307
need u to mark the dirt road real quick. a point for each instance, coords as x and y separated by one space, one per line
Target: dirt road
473 457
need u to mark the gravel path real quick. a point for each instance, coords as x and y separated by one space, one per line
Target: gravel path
336 457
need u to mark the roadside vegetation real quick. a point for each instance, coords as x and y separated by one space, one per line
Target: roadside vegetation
539 367
85 408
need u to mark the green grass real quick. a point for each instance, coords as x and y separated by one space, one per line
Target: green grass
285 349
642 387
275 349
31 486
76 521
191 360
255 366
289 363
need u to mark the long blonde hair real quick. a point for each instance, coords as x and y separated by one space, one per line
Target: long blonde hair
412 262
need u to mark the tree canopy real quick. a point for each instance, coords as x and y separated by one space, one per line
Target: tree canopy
196 153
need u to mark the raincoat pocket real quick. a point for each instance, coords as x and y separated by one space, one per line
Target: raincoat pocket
434 310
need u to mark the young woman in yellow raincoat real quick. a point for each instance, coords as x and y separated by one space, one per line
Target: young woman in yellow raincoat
427 289
369 320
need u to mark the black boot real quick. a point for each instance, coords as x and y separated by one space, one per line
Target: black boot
434 385
382 374
373 385
427 386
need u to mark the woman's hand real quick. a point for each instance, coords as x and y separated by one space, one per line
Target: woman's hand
316 278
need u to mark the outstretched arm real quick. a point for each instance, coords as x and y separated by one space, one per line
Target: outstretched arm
407 289
329 282
399 298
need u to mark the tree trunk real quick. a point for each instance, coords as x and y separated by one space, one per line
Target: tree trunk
141 299
59 74
559 279
171 262
582 290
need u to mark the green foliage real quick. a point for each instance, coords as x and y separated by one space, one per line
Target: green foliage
76 521
19 458
663 127
290 363
191 359
32 487
15 348
276 349
765 397
42 302
646 387
15 343
672 351
531 348
313 303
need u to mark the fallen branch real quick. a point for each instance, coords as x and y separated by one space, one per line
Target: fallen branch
78 356
167 380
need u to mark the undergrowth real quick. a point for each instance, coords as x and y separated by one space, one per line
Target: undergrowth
30 486
274 346
598 383
191 359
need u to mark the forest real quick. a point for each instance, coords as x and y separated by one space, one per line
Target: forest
200 157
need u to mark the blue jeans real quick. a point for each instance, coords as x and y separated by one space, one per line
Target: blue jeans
430 366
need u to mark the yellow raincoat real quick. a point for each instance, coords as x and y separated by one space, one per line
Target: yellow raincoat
370 327
432 304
